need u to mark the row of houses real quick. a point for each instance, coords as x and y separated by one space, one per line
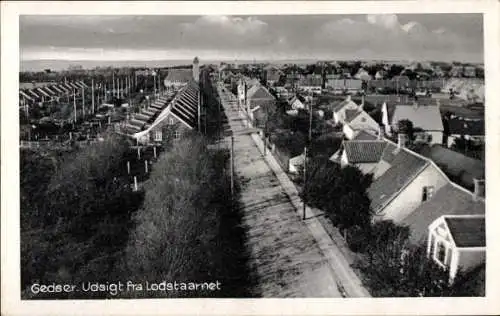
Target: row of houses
410 189
50 92
177 111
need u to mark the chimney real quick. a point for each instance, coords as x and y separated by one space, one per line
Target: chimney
401 140
479 189
348 98
381 129
362 105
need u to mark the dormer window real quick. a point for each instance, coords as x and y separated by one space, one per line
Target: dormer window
427 193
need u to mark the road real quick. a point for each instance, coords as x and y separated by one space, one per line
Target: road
290 257
284 257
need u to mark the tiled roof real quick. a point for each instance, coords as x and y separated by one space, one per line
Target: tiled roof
185 106
466 127
448 200
259 92
467 231
179 75
337 106
364 151
426 117
455 164
404 166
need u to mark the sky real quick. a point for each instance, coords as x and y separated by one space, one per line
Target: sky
268 37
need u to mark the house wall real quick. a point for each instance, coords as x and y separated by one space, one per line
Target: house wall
177 124
411 196
348 131
437 137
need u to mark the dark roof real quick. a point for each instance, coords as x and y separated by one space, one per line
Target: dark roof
351 115
467 231
449 200
363 135
179 75
404 166
466 127
185 106
364 151
455 164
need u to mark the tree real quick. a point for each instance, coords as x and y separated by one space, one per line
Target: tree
340 192
406 127
399 269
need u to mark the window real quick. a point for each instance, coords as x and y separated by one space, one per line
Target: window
177 135
440 253
171 121
158 136
427 193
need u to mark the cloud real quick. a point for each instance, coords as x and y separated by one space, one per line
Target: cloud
384 34
226 31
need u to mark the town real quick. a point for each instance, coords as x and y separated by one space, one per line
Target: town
324 178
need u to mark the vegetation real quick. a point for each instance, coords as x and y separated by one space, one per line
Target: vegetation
75 215
340 192
185 229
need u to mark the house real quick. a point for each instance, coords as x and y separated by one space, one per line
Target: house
179 115
273 76
177 78
456 71
457 241
451 199
363 75
403 180
425 117
469 72
311 83
353 118
364 154
460 168
381 74
258 101
472 130
297 102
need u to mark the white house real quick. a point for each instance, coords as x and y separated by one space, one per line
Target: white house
457 241
425 117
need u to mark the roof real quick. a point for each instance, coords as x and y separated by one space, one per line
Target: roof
351 115
404 166
467 231
458 126
337 106
455 163
185 106
259 92
179 75
448 200
426 117
364 151
363 135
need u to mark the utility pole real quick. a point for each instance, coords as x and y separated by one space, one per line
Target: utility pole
74 103
304 186
310 118
93 104
232 166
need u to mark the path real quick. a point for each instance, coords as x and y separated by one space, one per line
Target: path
264 172
284 256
